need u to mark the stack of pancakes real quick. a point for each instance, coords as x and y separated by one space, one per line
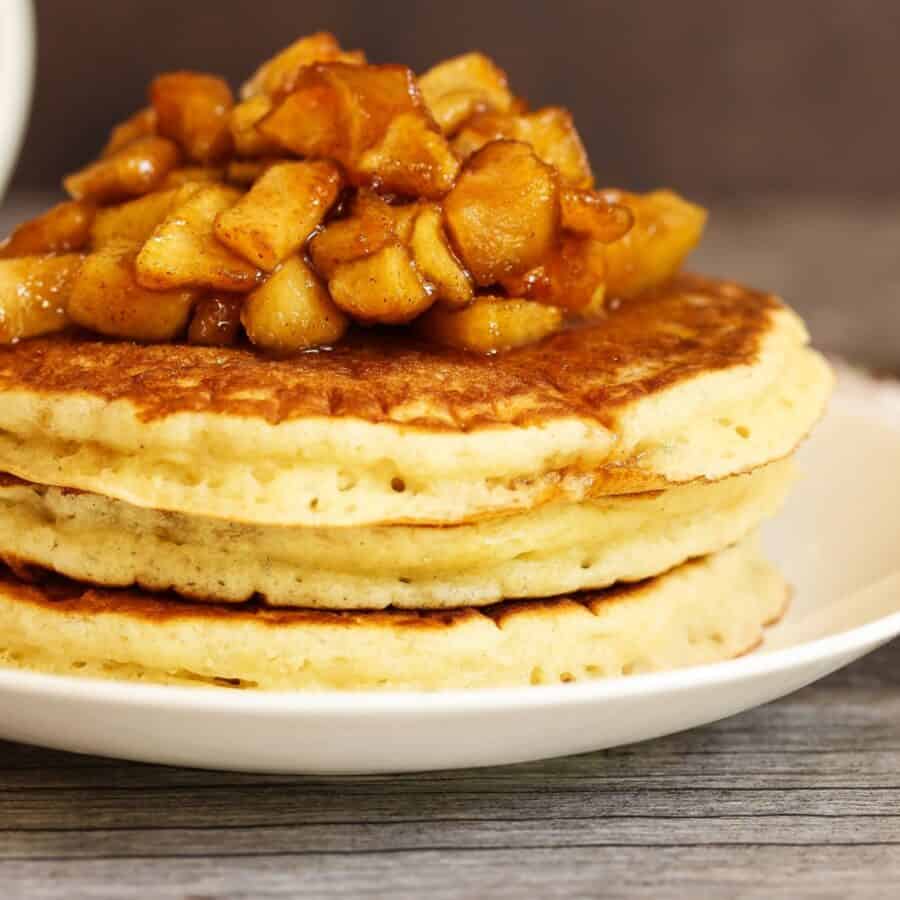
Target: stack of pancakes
385 515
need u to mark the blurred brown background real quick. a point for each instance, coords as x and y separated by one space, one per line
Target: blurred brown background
719 98
781 115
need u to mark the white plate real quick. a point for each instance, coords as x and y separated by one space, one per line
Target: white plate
837 542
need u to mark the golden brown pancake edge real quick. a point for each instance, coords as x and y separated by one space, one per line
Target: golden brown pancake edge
691 326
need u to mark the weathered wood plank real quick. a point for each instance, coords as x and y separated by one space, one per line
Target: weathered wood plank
392 836
596 772
279 806
656 873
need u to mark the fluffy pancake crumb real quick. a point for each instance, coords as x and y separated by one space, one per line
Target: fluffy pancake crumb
707 610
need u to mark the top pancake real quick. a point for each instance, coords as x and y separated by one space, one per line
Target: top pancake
387 376
701 379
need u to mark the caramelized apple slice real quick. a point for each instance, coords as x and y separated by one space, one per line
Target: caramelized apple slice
192 175
346 240
107 298
244 172
589 214
183 250
131 222
372 225
368 204
242 122
279 74
216 321
413 158
65 227
307 122
457 88
666 228
141 124
34 294
503 214
383 287
192 108
434 259
138 168
292 311
550 132
490 324
339 111
282 209
484 128
572 276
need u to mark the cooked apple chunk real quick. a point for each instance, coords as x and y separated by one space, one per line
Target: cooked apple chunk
107 298
192 108
334 191
589 214
369 204
192 175
34 294
483 128
435 261
372 224
65 227
457 88
503 214
141 124
573 276
666 228
278 75
346 240
242 122
307 122
383 287
131 222
282 209
216 321
550 132
183 250
138 168
292 311
244 172
339 111
413 158
490 324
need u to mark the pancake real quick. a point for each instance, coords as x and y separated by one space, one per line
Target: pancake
706 610
698 380
554 549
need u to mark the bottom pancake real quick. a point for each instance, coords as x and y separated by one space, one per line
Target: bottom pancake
706 610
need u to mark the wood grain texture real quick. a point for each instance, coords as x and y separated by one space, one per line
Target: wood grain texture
800 798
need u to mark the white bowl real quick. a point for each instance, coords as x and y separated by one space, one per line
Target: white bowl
16 79
837 542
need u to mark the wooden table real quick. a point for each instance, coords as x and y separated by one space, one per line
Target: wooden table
797 799
800 798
